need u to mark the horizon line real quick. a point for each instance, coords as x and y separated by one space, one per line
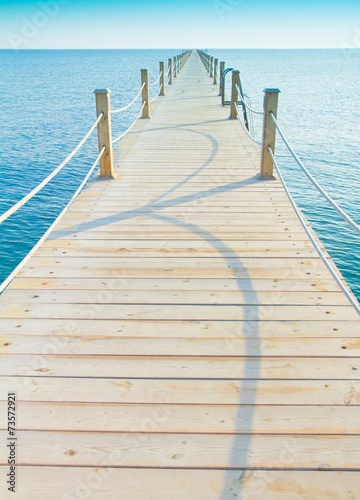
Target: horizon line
177 48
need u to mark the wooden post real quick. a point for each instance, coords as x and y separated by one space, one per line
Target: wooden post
102 97
208 64
269 132
162 78
215 70
170 71
174 67
145 92
178 63
222 69
211 66
234 93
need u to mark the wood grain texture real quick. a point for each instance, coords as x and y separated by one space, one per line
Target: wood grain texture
165 484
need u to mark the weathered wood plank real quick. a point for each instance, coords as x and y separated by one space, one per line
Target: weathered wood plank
157 251
197 262
177 312
239 297
194 284
185 450
114 270
133 328
133 484
188 367
154 346
198 392
249 233
198 419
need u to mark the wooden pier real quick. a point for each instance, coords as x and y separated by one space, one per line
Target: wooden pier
177 335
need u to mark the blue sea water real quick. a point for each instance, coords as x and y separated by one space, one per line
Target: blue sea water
47 104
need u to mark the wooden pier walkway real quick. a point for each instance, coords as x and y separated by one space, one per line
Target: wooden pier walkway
177 336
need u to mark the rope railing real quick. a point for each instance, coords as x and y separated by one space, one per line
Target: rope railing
42 184
105 156
104 103
269 163
246 105
328 198
168 76
323 257
48 231
245 129
157 81
131 103
250 117
157 95
131 126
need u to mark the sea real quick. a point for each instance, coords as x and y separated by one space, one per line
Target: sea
47 105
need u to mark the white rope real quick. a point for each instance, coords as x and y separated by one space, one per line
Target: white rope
246 105
152 100
352 300
243 126
28 197
157 81
131 103
339 210
45 235
168 76
131 126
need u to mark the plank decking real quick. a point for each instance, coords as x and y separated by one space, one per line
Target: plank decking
177 336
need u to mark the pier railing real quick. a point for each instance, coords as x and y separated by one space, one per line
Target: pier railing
268 160
103 106
103 123
105 141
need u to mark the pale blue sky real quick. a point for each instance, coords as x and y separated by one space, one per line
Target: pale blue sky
174 24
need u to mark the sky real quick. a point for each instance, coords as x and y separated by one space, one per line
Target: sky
205 24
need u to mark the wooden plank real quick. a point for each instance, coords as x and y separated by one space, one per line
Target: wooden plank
193 284
113 270
164 224
119 250
198 419
189 329
184 450
177 312
193 218
239 235
204 211
200 244
180 484
154 346
239 297
218 193
234 205
198 392
196 262
187 367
